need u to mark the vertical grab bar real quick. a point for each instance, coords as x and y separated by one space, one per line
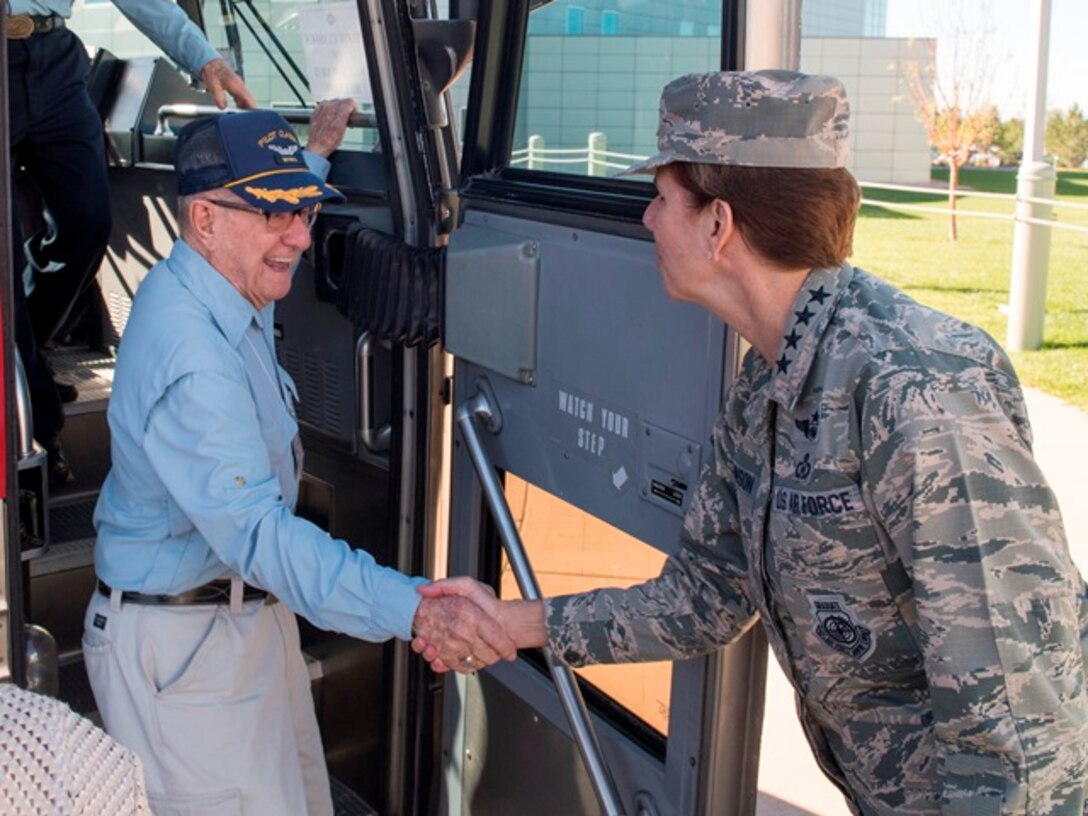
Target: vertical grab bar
376 440
24 416
480 406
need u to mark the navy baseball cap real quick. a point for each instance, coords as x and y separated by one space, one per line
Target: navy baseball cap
254 154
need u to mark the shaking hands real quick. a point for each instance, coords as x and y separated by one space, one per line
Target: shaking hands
461 626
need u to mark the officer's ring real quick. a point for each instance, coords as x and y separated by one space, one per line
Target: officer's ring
470 662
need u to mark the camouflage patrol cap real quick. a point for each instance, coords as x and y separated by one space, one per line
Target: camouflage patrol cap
752 118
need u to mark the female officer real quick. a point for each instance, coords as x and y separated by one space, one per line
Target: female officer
872 499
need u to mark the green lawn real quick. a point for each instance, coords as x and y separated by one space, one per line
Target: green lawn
970 278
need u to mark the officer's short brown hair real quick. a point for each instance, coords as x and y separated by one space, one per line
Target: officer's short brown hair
796 218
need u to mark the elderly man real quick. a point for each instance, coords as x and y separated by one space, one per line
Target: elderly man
190 641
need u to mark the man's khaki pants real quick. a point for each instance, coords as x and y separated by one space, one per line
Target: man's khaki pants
215 701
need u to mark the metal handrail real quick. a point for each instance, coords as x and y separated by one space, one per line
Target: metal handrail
376 440
479 407
23 414
296 116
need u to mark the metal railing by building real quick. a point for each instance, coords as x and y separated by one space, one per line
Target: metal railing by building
598 160
941 208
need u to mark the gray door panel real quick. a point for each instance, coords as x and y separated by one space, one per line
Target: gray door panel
608 390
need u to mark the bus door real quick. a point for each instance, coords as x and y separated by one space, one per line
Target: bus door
583 400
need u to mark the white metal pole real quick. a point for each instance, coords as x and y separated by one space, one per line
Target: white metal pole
536 152
595 158
1036 179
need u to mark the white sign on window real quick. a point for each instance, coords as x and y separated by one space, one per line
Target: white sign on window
332 41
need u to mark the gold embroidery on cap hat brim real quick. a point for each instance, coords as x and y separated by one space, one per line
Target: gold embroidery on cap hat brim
292 196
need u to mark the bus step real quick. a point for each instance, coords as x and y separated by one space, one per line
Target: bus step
72 518
91 372
67 555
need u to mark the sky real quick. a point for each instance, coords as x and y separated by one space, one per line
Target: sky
1000 34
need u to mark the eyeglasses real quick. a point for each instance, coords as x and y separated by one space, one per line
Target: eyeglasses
276 221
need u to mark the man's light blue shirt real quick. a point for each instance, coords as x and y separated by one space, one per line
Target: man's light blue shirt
205 464
161 21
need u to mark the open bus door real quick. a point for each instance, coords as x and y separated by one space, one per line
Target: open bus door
584 400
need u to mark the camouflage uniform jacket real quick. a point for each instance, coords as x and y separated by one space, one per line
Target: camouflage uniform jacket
873 500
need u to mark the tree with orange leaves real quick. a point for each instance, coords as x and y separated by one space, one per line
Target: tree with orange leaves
954 111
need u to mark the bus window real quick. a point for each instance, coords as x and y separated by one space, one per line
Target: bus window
593 74
571 551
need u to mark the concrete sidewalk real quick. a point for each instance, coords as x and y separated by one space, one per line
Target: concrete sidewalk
790 784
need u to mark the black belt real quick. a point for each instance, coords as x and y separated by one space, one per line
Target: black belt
213 592
24 26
